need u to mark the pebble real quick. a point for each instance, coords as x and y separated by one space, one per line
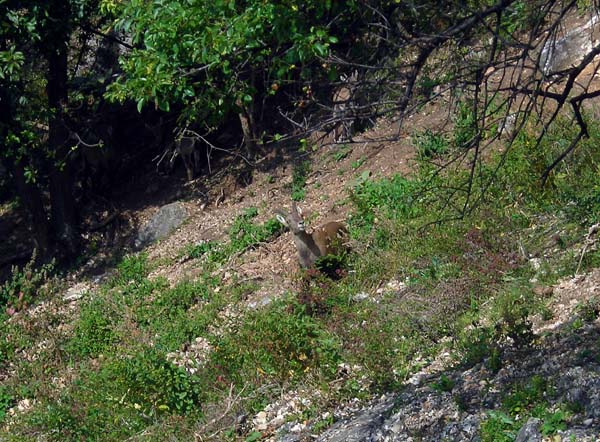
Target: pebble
261 416
75 293
360 296
299 427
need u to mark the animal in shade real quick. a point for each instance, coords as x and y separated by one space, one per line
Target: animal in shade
324 240
343 108
186 148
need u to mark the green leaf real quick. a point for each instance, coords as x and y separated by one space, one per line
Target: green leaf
164 106
254 436
140 104
502 417
320 49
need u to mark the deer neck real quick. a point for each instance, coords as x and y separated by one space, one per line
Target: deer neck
307 248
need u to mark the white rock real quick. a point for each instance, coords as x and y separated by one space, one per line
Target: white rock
536 263
299 427
361 296
76 292
278 421
261 417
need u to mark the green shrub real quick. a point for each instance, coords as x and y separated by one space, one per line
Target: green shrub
465 126
6 401
24 284
133 268
96 407
525 400
494 362
430 144
243 234
168 316
511 310
498 427
156 385
386 343
300 173
554 422
117 398
7 346
212 250
135 293
589 310
95 329
63 423
426 85
393 198
165 303
474 343
275 343
444 384
524 397
520 16
342 152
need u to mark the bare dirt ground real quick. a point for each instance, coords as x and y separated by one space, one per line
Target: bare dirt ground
327 191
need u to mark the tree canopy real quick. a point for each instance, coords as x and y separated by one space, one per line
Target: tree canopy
210 55
277 65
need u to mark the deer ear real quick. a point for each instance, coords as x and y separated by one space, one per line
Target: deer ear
299 210
281 219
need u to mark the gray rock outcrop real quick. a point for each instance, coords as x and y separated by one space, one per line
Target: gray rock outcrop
569 50
167 219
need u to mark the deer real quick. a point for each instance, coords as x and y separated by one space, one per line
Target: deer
185 147
327 239
342 108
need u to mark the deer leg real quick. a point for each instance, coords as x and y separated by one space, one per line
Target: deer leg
196 156
189 165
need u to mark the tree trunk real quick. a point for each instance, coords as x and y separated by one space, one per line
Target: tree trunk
31 196
247 120
247 123
64 220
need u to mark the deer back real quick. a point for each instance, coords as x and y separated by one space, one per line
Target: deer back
330 238
341 97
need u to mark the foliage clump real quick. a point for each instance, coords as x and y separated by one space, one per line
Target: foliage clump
25 285
243 235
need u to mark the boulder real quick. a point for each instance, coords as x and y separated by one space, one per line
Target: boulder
570 49
167 219
530 432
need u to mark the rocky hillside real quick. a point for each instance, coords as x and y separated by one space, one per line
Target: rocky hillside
521 364
198 324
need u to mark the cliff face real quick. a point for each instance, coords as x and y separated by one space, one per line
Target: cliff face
564 361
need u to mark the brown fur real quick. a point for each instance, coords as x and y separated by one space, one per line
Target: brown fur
327 239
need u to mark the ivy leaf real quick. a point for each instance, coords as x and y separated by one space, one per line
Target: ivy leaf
320 49
254 436
164 106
